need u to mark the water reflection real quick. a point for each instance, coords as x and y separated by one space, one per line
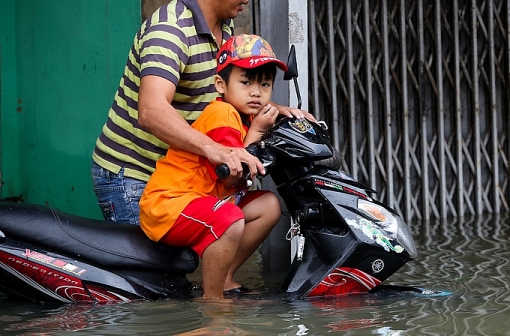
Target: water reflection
466 258
469 258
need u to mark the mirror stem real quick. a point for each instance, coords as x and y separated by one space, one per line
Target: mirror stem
297 92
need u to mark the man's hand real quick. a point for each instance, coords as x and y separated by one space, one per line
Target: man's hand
233 157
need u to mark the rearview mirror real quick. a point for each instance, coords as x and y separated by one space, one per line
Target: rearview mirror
292 71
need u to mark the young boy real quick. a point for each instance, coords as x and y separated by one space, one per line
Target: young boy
184 202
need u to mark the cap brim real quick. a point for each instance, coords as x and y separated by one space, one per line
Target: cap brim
255 62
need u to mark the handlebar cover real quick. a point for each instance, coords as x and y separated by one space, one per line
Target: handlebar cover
222 171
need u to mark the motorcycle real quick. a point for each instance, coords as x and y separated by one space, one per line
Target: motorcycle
347 242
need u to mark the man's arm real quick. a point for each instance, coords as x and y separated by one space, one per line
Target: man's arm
157 116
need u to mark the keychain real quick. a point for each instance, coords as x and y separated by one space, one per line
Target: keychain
294 231
301 247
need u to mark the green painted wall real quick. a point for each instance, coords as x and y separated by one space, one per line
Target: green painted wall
9 131
60 64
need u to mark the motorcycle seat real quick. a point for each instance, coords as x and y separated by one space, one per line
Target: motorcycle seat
120 245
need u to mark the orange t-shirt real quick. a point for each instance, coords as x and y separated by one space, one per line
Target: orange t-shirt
182 176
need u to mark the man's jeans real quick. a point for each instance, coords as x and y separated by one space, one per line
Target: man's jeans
117 195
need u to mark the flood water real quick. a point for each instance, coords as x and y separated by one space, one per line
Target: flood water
466 261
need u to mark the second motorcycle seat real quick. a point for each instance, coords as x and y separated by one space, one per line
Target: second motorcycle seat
120 245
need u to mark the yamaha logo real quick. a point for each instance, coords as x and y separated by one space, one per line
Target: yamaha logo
223 57
377 265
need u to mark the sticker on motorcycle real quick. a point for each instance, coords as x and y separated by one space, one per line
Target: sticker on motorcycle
65 266
344 280
373 232
336 186
302 126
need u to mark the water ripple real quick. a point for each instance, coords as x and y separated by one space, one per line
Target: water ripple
466 261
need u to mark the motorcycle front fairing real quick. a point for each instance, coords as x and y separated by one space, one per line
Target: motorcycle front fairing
348 249
352 242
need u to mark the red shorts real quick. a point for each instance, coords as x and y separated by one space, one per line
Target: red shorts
204 221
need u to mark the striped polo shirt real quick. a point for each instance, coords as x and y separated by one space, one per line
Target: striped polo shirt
174 43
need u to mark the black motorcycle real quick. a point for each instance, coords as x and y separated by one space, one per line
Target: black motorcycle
346 242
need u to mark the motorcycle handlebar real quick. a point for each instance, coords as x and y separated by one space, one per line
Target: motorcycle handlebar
256 149
222 171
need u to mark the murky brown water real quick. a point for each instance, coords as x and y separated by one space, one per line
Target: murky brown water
467 260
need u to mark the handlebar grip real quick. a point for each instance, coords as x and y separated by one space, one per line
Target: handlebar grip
222 171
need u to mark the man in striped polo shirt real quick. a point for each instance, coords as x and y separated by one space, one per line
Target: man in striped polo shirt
167 82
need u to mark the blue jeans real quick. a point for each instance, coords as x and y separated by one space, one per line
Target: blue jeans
117 195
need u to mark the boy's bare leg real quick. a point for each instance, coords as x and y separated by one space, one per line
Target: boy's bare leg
217 258
261 215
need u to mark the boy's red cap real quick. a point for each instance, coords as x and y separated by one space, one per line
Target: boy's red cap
247 51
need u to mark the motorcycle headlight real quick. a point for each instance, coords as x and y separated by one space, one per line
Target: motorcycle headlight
392 224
